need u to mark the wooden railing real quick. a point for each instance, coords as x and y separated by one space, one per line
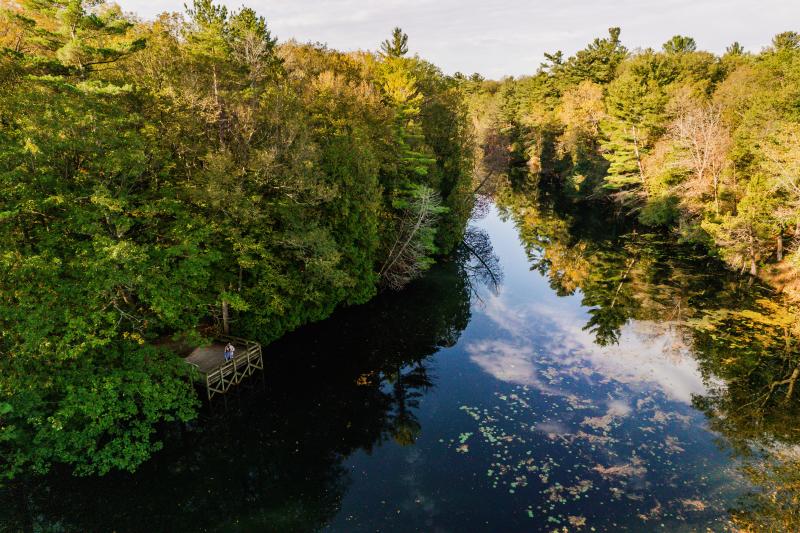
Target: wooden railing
246 360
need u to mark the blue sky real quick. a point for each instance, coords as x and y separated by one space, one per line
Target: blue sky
497 38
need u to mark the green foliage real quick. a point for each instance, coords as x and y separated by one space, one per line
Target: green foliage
680 44
735 49
397 46
662 211
76 36
211 168
598 62
788 40
703 145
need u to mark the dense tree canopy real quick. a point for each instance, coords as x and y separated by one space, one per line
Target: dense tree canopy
167 179
705 145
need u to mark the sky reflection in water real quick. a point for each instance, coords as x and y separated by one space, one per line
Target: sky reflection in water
429 411
533 426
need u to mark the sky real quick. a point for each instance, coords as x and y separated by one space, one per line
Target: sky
498 38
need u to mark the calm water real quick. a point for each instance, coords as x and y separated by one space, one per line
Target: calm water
560 396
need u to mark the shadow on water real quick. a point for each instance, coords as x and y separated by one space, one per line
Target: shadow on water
272 461
555 380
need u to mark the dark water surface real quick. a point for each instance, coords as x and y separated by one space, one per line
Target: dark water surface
558 399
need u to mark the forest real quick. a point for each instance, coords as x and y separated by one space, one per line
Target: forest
704 146
164 180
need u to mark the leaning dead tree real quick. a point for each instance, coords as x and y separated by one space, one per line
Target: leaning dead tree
410 254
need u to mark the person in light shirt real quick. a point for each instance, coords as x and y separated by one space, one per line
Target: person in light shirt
229 351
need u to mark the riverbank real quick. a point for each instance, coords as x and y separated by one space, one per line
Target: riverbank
570 385
160 176
784 278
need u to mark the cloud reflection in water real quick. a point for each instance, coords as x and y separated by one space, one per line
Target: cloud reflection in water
650 356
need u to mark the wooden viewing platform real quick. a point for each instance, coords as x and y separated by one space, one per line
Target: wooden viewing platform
220 375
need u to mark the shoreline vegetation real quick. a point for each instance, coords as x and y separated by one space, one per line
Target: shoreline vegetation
706 147
174 178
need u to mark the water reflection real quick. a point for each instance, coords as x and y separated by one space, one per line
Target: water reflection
273 460
481 265
647 355
593 434
602 378
663 314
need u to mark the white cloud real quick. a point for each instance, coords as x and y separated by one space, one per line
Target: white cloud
497 38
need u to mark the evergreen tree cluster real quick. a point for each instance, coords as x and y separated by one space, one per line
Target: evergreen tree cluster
164 180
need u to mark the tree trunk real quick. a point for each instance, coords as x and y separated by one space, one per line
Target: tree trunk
779 250
792 380
716 193
216 86
226 323
219 117
636 153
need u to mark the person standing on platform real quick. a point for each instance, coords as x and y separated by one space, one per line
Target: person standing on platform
229 351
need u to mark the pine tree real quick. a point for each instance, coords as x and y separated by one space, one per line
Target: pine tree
680 44
635 107
78 36
735 49
401 92
396 46
788 40
598 62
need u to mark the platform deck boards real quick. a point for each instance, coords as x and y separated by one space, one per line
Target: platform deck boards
207 358
220 375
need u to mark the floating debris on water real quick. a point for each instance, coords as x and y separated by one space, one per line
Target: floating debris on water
571 455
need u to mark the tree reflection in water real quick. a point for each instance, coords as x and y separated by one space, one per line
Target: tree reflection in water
272 461
745 338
